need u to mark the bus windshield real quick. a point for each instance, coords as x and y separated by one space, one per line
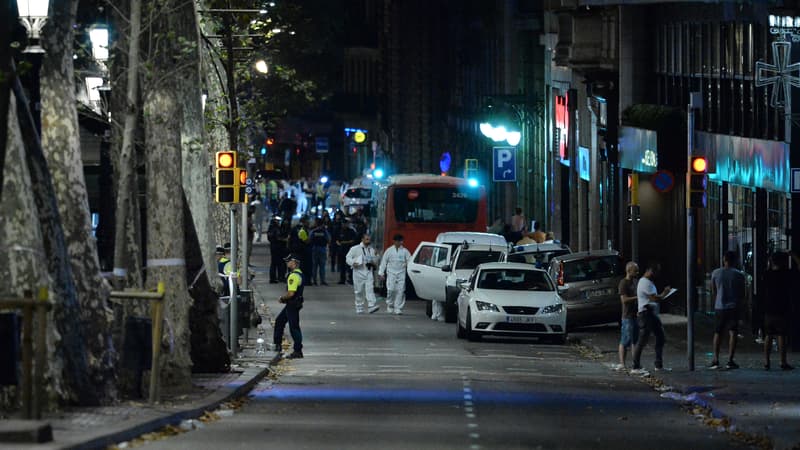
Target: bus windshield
435 205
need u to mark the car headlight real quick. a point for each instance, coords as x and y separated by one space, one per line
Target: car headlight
486 306
550 309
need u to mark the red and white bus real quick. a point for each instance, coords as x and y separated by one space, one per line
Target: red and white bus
420 206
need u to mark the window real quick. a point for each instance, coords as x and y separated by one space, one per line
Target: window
432 256
593 268
435 205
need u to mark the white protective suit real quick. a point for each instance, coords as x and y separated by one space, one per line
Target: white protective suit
363 284
393 267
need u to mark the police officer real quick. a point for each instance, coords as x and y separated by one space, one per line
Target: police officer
293 301
320 238
277 249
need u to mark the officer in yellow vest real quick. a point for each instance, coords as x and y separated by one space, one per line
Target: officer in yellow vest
293 301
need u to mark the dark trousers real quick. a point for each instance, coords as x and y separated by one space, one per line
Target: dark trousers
291 315
345 272
334 256
277 268
319 256
649 323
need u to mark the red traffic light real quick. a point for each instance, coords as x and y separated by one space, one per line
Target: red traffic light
226 160
699 164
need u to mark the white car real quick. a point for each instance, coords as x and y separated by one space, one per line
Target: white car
512 299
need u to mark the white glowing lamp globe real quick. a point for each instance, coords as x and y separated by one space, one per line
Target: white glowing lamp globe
33 8
499 134
513 137
486 129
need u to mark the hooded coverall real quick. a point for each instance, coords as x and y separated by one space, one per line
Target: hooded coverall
393 267
363 285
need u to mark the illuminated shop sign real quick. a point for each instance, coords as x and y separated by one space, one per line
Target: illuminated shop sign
638 149
562 127
756 163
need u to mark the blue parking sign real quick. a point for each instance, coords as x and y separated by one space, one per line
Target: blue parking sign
504 161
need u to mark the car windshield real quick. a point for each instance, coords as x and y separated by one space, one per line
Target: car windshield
359 193
514 280
592 268
471 259
539 259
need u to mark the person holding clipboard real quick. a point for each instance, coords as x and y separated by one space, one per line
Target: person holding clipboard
648 300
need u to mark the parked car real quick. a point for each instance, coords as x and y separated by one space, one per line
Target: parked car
436 269
512 299
456 238
537 254
588 283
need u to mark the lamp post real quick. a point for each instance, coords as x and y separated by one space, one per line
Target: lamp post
33 15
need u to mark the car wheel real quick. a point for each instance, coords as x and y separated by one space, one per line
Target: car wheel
428 308
471 335
461 332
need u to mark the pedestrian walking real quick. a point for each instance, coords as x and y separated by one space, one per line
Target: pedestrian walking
259 217
780 286
393 271
362 259
727 290
319 238
629 329
293 303
648 300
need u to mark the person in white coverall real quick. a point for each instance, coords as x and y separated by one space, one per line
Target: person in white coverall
393 270
363 260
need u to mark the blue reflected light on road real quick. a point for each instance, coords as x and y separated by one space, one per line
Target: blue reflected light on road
334 394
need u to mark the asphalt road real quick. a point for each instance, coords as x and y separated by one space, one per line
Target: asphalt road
405 382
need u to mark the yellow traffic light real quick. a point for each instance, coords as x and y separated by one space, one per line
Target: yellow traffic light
227 178
697 183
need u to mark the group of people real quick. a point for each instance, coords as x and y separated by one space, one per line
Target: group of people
363 261
517 232
641 305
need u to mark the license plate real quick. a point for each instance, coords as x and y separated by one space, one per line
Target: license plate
599 293
520 319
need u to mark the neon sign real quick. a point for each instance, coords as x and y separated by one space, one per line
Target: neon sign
562 126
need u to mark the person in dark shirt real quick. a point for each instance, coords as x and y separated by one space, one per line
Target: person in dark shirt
319 238
779 282
629 330
345 239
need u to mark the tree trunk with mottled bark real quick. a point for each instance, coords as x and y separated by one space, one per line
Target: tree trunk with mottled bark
23 263
165 223
61 145
207 346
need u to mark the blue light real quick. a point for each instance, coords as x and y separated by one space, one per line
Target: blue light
378 173
263 151
472 182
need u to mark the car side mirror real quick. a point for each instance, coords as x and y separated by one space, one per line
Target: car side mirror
446 268
563 289
464 284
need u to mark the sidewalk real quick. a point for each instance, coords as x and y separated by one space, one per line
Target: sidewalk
760 407
98 428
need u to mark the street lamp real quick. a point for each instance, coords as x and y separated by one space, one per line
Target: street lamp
99 38
33 14
262 67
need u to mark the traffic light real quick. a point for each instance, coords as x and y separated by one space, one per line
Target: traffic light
697 183
471 171
227 179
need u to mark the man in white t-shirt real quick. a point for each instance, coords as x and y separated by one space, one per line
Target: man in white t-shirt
649 323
